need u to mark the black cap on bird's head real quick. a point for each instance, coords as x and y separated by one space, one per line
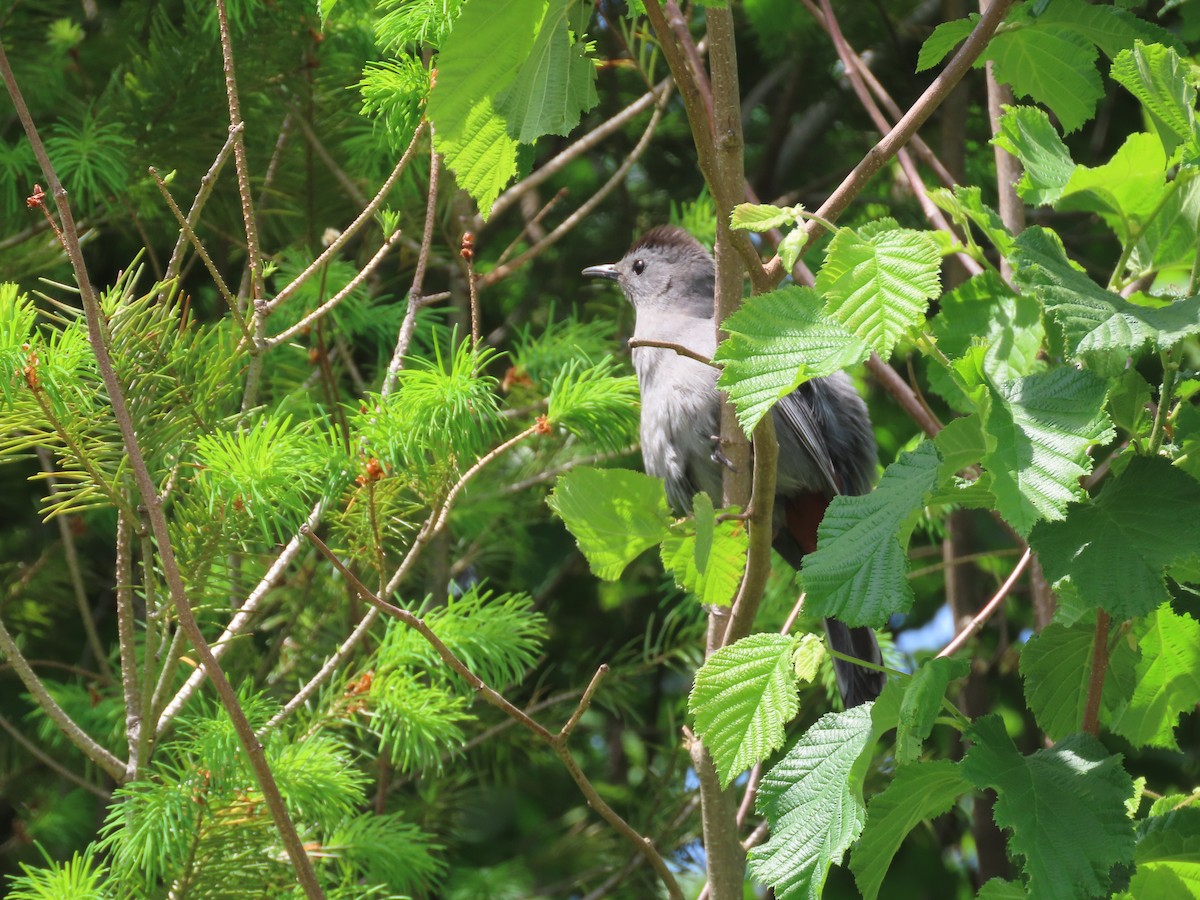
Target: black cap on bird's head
665 268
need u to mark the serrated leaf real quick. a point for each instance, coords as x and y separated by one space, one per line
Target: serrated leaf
614 514
481 154
1115 548
1126 192
706 557
1158 78
557 81
922 702
999 889
762 216
1167 679
1096 324
878 282
743 697
945 37
1027 133
1109 28
1168 856
777 341
1043 425
1056 666
1052 64
813 805
1064 807
857 574
918 792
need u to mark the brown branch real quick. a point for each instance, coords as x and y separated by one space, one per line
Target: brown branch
207 182
51 763
126 635
908 125
584 702
634 343
988 608
1091 711
903 394
557 742
758 554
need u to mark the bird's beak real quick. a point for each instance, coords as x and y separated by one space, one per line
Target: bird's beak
608 270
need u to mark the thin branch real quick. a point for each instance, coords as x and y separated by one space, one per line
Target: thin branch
76 735
186 232
99 338
1091 711
415 301
585 209
128 640
51 763
552 473
634 343
584 702
345 182
989 608
207 182
908 125
337 298
352 229
903 394
429 530
496 699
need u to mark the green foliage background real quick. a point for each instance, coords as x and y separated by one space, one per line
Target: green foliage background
407 782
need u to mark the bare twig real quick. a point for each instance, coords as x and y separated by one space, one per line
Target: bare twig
207 182
126 634
51 763
634 343
337 298
1091 710
558 742
988 608
903 394
908 125
352 229
76 735
584 702
552 473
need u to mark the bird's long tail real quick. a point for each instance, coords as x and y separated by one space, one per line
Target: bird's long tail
857 684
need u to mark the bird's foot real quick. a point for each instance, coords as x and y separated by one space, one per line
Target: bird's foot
718 456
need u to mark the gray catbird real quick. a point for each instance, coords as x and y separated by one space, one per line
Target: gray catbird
826 445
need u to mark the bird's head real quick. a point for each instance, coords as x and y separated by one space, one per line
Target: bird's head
665 269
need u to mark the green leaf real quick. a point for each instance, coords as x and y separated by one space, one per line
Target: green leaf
1065 808
1126 192
965 206
556 83
1056 665
777 341
791 247
1053 65
923 696
1168 856
999 889
1115 548
806 661
1109 28
762 216
707 558
944 38
489 44
743 697
1043 425
596 405
1158 78
918 792
614 514
878 282
1097 325
1167 679
1027 133
857 574
813 805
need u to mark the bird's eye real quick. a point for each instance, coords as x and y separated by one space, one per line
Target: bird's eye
639 266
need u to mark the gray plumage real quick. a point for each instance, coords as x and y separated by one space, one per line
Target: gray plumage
826 445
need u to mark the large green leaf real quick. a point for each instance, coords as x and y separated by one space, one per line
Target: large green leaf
813 804
614 514
1043 425
918 792
777 341
1115 548
1097 325
743 697
1064 807
858 573
1053 65
1168 856
1158 78
557 82
1028 134
878 281
1166 678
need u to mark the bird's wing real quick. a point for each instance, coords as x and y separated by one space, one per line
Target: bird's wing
796 414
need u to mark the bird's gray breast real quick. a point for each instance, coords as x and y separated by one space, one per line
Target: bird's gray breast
680 417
